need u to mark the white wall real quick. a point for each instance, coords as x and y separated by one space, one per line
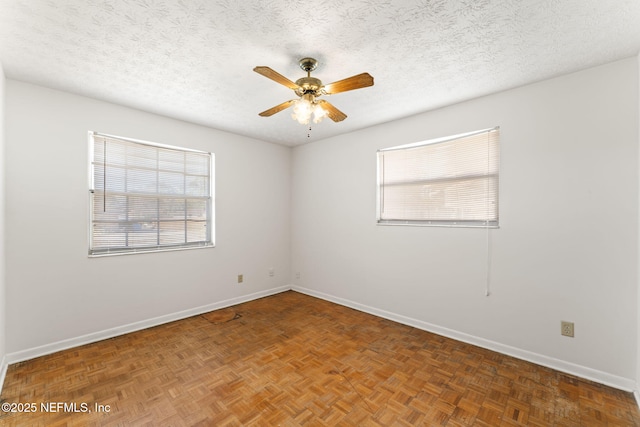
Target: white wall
567 247
57 293
637 390
3 304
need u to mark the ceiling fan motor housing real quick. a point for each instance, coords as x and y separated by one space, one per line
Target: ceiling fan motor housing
308 85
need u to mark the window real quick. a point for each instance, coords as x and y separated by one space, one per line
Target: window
449 181
148 197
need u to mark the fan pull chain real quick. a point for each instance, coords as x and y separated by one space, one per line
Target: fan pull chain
309 133
104 179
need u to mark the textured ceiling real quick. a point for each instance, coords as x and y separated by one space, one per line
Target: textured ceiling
193 59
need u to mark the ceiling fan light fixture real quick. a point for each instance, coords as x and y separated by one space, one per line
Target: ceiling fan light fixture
319 113
302 109
305 107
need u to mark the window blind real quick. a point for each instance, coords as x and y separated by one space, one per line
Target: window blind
147 197
451 181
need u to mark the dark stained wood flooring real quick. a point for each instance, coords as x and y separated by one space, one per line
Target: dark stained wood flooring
291 360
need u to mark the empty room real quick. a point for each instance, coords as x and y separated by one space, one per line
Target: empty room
362 213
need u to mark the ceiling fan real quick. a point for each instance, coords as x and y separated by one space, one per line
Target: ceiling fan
309 89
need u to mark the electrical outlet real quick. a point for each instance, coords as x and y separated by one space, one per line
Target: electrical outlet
298 275
240 278
566 328
272 272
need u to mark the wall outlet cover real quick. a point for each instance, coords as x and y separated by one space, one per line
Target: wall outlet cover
567 329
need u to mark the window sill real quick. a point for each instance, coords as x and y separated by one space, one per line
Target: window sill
147 251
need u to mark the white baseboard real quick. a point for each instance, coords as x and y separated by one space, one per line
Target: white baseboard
43 350
539 359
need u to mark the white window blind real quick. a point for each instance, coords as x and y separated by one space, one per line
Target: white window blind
450 182
148 197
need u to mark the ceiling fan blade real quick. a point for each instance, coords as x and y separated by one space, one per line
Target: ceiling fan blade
332 112
276 77
350 83
271 111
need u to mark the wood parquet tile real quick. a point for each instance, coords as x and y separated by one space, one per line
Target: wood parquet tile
292 360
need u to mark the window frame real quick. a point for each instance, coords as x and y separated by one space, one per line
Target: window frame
457 223
210 202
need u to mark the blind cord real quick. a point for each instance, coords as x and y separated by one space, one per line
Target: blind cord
488 278
488 284
104 179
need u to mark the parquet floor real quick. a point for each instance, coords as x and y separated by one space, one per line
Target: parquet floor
291 360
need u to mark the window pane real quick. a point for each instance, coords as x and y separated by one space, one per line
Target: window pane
454 182
197 185
196 209
197 164
196 231
142 209
172 209
172 233
171 160
171 183
146 197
